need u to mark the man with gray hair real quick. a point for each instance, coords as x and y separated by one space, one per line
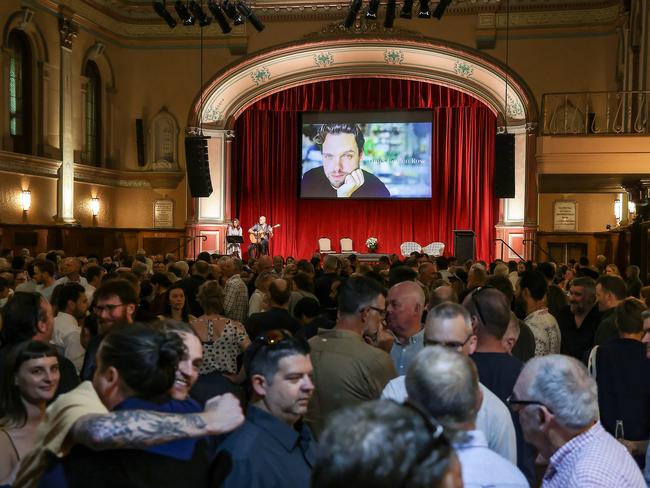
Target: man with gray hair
450 325
405 306
445 383
557 403
579 320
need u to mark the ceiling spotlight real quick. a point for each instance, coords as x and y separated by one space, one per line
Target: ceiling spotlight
440 9
391 6
355 6
231 11
219 16
246 11
407 9
371 13
160 9
423 11
198 12
184 13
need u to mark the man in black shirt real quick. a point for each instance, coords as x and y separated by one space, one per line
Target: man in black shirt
277 316
341 175
579 320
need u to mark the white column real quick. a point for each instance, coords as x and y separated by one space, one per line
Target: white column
65 187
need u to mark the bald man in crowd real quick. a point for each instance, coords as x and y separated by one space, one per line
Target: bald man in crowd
404 319
277 316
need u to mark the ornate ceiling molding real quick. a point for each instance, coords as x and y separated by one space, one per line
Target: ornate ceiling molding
429 60
135 20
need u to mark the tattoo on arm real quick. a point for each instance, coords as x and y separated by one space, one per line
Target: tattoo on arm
136 429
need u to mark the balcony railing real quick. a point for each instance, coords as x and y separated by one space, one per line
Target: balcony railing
595 113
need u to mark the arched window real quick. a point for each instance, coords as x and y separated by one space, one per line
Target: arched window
20 92
91 153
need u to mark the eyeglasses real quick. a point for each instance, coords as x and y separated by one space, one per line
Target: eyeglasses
437 439
512 402
109 308
381 311
449 344
477 304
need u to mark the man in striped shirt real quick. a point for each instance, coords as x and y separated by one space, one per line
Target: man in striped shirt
557 402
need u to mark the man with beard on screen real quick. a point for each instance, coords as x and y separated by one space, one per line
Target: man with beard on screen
341 175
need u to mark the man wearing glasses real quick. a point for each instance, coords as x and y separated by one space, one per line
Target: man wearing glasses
115 302
347 369
557 403
450 325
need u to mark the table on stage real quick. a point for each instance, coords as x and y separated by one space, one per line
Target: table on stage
363 257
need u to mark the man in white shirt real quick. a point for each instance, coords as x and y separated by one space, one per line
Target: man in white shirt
72 304
450 325
44 277
69 270
532 291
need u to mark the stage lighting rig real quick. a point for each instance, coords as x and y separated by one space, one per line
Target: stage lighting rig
407 9
373 7
219 16
183 13
423 11
159 7
246 11
199 14
355 6
440 9
391 6
231 11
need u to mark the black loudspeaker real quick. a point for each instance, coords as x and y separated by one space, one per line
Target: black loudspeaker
139 137
464 245
198 166
504 166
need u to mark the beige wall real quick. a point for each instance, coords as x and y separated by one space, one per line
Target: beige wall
43 199
148 77
595 210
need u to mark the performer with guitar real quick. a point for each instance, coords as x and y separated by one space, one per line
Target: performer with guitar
259 236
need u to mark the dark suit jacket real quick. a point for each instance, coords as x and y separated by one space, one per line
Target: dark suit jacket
275 318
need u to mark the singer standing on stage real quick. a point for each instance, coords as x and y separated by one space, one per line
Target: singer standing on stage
234 229
264 232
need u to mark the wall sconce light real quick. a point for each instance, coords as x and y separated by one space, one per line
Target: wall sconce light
26 200
618 210
631 207
94 206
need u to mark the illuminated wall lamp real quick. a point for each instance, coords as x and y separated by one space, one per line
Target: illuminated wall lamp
26 200
631 207
94 206
618 210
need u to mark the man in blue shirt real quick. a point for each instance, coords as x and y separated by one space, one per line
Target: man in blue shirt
272 448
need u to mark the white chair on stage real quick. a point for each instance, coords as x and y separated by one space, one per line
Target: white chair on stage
434 249
346 246
406 248
325 245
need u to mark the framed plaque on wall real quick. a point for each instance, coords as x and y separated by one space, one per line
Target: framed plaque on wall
163 213
565 215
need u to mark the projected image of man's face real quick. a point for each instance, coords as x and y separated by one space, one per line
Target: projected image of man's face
340 157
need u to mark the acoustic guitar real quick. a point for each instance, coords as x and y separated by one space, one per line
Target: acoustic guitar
256 237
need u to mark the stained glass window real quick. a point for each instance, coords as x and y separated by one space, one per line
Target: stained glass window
91 153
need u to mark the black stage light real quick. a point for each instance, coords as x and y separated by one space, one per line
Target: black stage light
371 13
440 9
246 11
391 6
199 14
231 11
160 9
184 13
219 16
423 11
407 9
355 6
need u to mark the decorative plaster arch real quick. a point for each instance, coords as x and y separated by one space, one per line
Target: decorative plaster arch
23 20
241 84
97 53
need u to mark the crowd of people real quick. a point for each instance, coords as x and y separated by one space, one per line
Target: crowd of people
413 371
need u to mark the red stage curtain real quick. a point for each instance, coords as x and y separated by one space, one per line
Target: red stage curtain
266 170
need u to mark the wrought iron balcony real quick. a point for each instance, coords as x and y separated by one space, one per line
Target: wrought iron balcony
595 113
